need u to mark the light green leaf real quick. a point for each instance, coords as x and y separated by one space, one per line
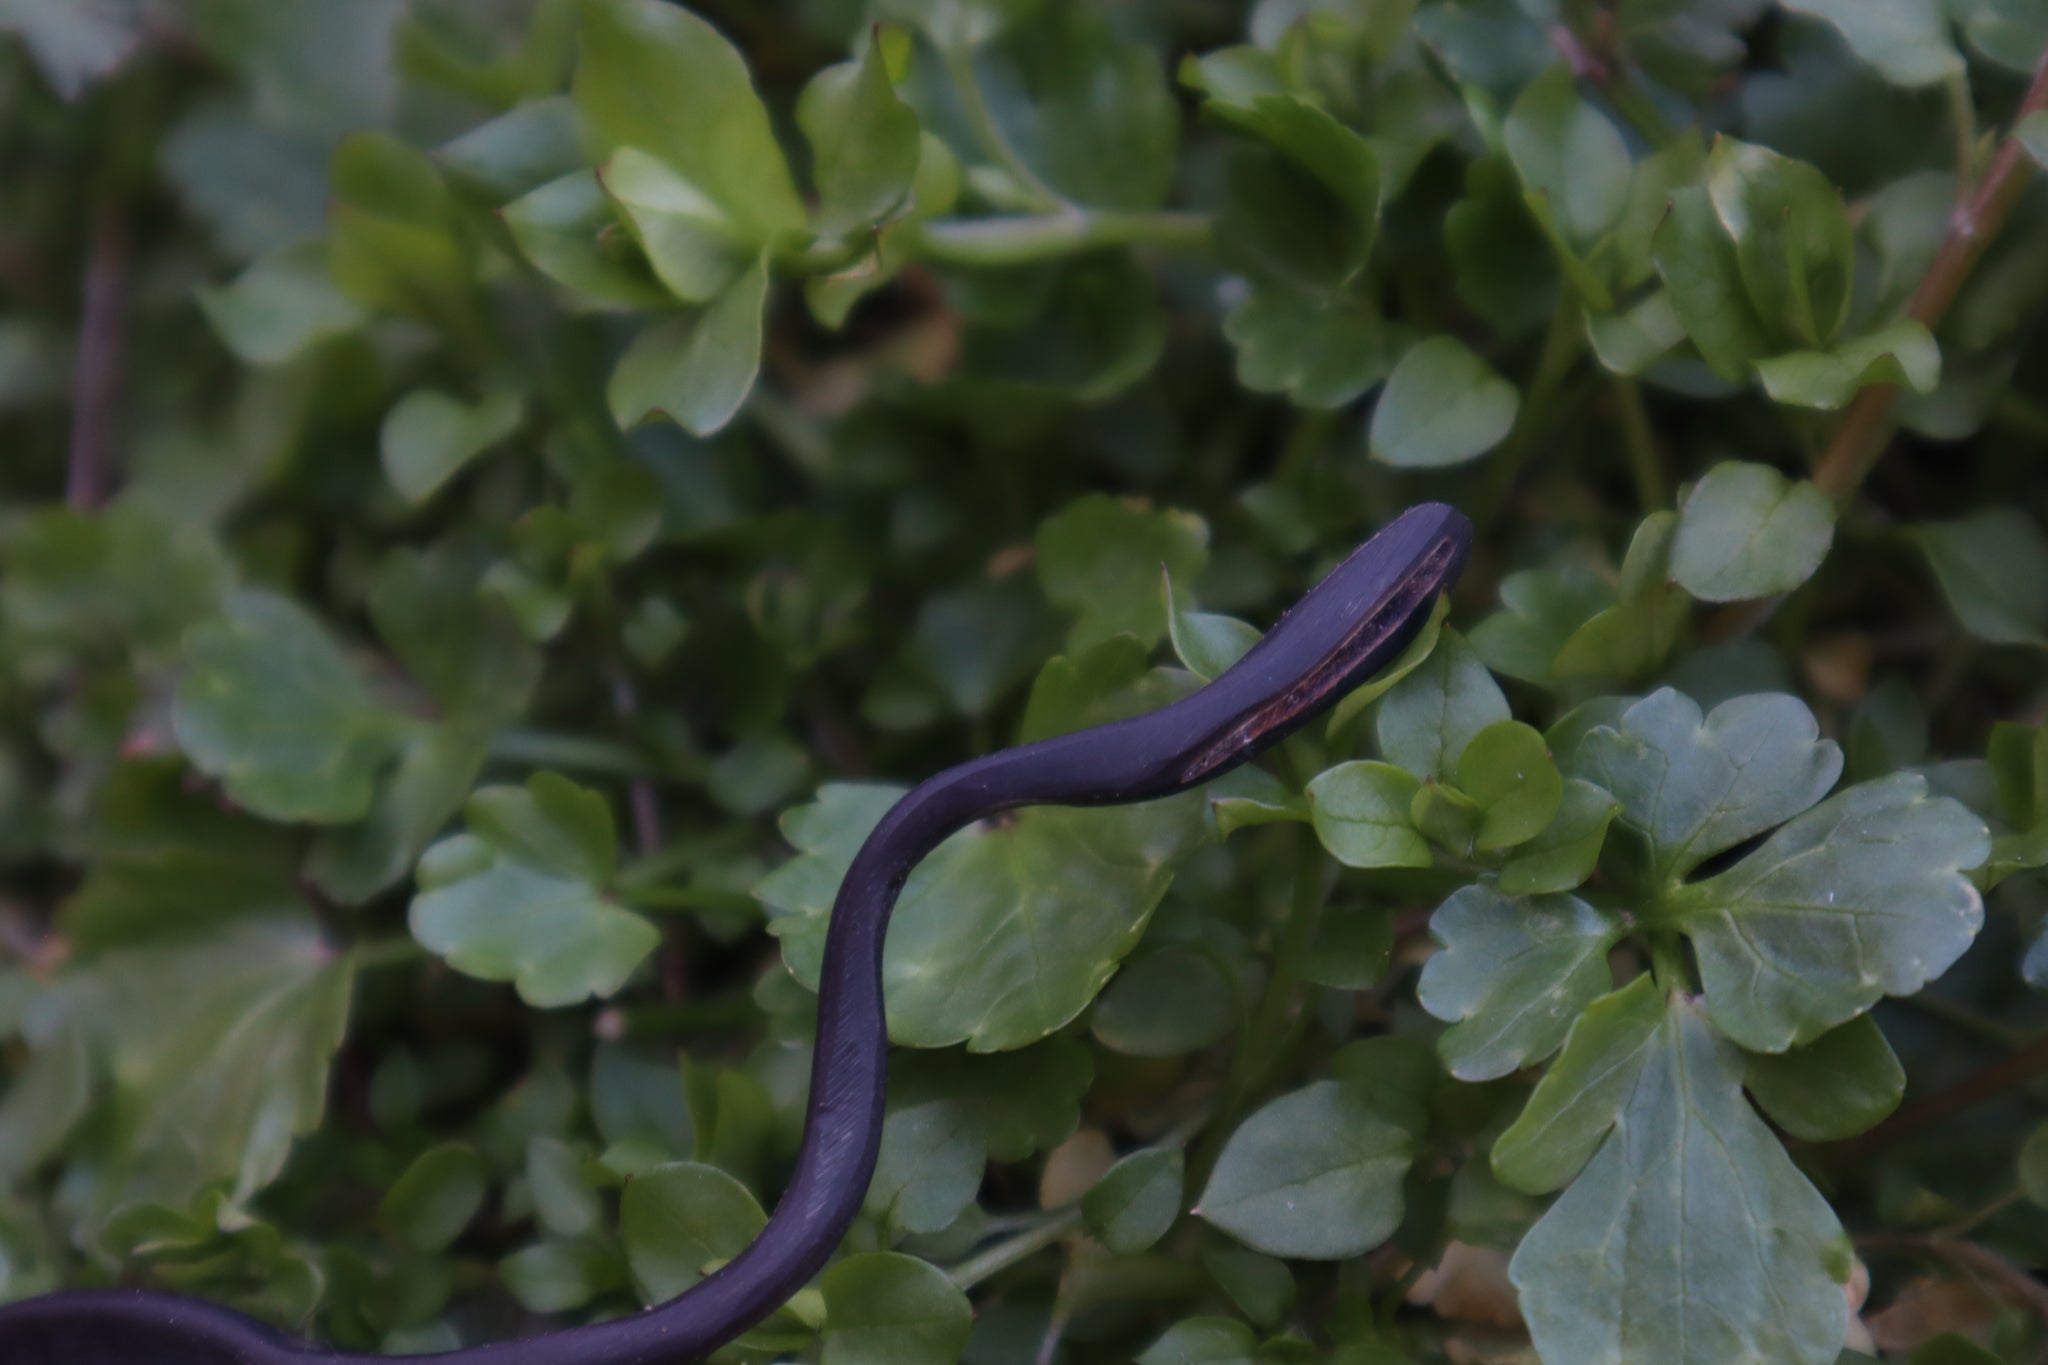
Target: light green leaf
1567 150
428 435
864 142
694 248
1634 636
1861 897
520 897
427 606
1099 557
1564 854
1003 933
1793 242
657 77
564 1198
1513 976
1411 658
1836 1086
1993 568
1748 531
1442 406
1631 340
554 1277
282 303
1540 609
1907 41
1134 1204
436 1198
1361 812
271 706
517 152
1315 1174
221 1079
1695 787
1321 352
695 371
571 233
1698 263
1690 1237
1429 717
1206 642
682 1220
886 1309
1250 795
1203 1341
1902 353
1508 771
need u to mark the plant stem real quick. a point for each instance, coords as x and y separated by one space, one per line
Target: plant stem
1019 240
96 373
1561 346
578 753
1639 441
2017 1284
1667 963
387 952
1011 1250
1976 221
982 122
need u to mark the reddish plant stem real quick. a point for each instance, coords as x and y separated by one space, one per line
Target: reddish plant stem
645 807
1973 226
1858 442
96 372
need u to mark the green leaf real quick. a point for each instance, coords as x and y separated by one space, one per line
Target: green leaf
429 435
693 247
1433 714
1206 642
395 238
697 370
436 1198
1203 1341
1027 1101
1748 531
1700 269
1836 1086
1261 1286
1513 975
1993 569
564 1198
1361 812
1055 84
864 143
1565 853
1861 897
470 656
1315 1174
517 152
1442 406
1690 1236
520 897
1632 637
1901 353
1631 340
657 77
219 1080
682 1220
554 1277
1566 150
2033 1166
886 1309
1507 769
1907 41
934 1154
1320 352
1100 557
2032 133
1540 610
571 233
1695 787
271 706
1003 933
1132 1206
1411 658
284 302
1252 796
1793 243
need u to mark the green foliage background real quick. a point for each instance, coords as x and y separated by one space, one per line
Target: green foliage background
500 497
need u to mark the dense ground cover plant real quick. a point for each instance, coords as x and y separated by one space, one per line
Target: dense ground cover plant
500 497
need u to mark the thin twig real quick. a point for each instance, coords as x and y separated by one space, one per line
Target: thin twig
97 374
2016 1284
646 811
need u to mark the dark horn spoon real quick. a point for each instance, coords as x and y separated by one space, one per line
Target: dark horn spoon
1346 628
